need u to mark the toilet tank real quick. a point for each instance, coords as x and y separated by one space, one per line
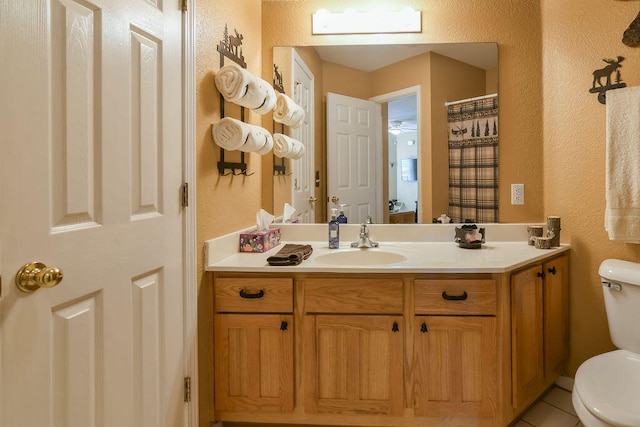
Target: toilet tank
621 287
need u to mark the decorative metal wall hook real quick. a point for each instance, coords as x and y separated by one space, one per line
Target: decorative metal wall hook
280 170
613 66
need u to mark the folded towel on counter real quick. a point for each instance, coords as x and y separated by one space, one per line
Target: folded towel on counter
232 134
239 86
285 146
622 189
287 111
290 254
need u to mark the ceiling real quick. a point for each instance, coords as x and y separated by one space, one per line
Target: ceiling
372 57
404 110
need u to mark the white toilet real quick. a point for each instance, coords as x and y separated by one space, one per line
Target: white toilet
606 391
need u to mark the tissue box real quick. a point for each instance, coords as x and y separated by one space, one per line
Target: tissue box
260 241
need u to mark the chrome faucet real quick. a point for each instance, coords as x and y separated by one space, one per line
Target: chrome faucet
364 241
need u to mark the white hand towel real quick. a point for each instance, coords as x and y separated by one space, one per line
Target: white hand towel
287 111
622 213
232 134
239 86
285 146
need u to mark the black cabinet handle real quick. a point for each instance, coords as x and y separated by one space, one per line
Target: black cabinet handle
423 328
284 325
541 274
552 270
395 327
243 294
455 297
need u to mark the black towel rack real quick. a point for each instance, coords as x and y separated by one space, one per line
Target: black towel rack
231 47
278 169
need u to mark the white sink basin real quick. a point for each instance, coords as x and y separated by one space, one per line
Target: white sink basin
357 257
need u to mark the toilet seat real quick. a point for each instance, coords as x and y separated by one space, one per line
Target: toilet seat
609 387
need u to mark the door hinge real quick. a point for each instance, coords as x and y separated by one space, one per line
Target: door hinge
184 5
185 194
187 389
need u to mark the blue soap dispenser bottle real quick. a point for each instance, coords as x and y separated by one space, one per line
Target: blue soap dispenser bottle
334 231
342 219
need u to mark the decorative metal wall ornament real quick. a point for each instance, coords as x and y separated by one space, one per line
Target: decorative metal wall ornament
231 47
631 36
613 66
277 79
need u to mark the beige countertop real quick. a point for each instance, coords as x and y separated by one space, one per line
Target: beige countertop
421 248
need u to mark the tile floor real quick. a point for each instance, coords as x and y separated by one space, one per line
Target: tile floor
554 409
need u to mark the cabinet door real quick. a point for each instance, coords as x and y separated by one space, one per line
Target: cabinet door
254 362
454 366
526 335
556 316
353 364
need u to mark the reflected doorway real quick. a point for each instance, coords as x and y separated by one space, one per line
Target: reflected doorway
401 118
403 160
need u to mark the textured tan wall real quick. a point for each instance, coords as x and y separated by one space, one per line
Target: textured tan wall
578 34
450 80
552 131
224 204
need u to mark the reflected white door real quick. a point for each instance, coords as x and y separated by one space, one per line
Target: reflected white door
302 180
354 154
90 172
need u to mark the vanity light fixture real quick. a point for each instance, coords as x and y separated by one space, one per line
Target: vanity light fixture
350 21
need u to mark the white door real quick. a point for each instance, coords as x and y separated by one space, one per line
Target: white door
354 154
303 189
90 172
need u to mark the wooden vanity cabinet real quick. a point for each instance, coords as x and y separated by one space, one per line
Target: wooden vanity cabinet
353 346
403 349
539 327
253 327
455 348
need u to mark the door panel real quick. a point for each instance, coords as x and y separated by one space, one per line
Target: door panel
302 178
454 365
353 364
354 157
90 171
527 335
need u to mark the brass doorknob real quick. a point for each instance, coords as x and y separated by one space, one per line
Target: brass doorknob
313 199
335 199
36 275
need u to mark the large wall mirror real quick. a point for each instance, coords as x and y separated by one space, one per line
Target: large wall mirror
398 170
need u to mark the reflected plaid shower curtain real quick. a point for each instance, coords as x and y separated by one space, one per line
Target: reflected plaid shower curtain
473 160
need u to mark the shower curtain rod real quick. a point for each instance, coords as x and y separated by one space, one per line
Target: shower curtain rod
477 98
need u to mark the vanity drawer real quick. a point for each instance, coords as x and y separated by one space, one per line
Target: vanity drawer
253 295
466 297
353 296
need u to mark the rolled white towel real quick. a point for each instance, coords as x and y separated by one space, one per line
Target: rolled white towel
239 86
285 146
232 134
287 111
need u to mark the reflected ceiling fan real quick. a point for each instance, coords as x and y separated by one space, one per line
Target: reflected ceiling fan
396 127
